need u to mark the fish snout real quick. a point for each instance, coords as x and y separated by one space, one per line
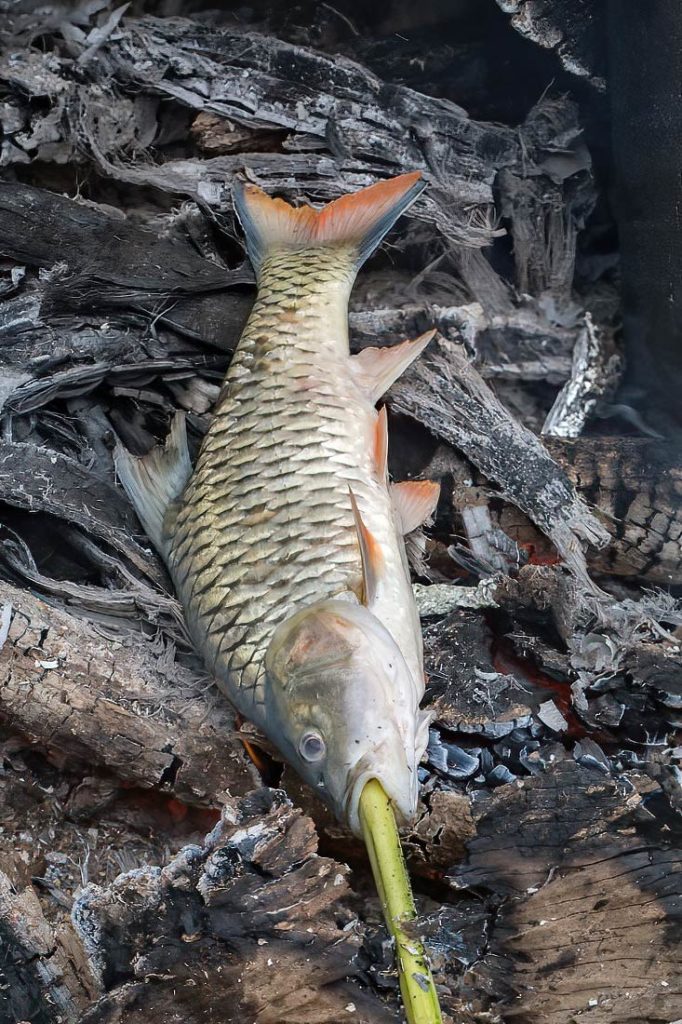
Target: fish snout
389 765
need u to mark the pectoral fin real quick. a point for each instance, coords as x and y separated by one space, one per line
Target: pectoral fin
370 552
375 369
157 479
415 501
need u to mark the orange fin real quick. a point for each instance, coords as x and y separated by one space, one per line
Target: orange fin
370 552
254 755
415 501
357 221
380 451
375 369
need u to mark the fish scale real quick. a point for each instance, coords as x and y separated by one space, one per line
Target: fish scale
297 457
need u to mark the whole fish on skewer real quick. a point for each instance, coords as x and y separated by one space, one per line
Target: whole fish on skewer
285 543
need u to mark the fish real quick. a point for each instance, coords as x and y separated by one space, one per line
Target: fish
285 542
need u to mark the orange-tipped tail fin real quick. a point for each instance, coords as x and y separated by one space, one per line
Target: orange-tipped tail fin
357 221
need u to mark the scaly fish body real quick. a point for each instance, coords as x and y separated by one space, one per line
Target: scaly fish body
288 522
265 525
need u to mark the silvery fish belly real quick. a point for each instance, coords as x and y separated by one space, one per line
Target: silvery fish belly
285 542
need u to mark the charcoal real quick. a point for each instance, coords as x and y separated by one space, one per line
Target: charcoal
549 715
500 776
590 755
450 759
530 758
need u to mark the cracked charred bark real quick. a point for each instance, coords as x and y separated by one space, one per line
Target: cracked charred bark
121 704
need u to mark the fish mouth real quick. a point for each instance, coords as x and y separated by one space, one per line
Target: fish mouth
402 792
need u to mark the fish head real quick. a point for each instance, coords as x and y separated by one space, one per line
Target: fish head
343 707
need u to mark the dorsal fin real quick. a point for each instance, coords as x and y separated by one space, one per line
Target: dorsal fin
370 552
157 479
380 450
375 369
415 501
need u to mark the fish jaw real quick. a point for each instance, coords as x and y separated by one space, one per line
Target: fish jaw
398 778
336 681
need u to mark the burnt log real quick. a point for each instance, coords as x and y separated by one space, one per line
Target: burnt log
252 924
632 485
138 278
581 881
46 977
38 479
120 703
109 264
637 485
447 395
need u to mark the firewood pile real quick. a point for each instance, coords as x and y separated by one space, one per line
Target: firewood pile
152 871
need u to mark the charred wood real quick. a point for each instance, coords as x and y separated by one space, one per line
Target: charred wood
593 876
46 977
447 395
595 373
120 702
636 484
575 30
545 852
250 925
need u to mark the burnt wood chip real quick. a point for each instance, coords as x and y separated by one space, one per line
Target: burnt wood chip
251 925
43 480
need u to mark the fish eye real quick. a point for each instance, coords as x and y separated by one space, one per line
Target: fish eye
312 747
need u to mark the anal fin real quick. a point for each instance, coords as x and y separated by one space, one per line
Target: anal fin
154 481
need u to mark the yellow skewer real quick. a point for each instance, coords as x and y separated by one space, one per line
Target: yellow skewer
393 885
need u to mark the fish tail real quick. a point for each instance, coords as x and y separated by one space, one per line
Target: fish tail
356 222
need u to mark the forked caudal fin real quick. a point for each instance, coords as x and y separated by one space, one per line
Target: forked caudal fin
357 221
